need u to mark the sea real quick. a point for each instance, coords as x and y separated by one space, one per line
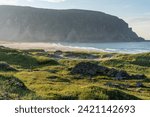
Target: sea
122 47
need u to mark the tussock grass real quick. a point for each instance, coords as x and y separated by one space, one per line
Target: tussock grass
38 76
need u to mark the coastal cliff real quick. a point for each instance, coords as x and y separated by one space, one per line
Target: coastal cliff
46 25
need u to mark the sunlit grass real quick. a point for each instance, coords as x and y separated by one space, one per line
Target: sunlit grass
47 78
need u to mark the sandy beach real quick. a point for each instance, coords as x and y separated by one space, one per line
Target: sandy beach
45 46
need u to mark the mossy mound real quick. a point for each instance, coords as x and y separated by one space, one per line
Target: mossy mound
12 88
41 60
142 60
21 59
94 93
98 93
6 67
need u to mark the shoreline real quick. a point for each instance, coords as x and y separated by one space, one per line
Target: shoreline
64 47
45 46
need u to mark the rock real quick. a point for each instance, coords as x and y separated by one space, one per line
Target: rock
139 76
86 68
139 84
55 56
122 75
58 53
92 69
112 72
119 75
17 83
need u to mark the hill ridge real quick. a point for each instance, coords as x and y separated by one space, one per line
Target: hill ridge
30 24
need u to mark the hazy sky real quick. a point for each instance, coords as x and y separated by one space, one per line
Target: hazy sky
135 12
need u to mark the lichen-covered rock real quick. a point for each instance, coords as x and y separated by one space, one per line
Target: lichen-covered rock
92 69
86 68
122 75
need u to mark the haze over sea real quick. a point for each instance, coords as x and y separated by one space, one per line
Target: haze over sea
117 47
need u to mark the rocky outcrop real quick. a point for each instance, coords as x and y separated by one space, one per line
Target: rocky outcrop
46 25
92 69
86 68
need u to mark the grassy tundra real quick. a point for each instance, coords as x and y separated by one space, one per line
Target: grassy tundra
36 74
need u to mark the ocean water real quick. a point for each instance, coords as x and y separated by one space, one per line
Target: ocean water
122 47
125 47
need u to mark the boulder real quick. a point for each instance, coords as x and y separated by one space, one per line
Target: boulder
58 52
86 68
139 84
122 75
93 69
112 72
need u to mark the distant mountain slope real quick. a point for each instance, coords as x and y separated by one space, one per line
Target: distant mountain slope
46 25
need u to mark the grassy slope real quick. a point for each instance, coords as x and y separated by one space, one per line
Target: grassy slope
47 78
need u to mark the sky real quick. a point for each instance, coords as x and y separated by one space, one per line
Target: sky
135 12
